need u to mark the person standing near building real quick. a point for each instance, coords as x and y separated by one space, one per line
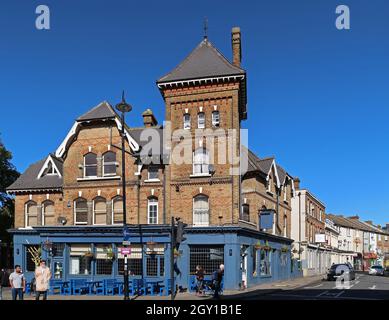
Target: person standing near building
217 281
42 278
199 280
3 281
17 283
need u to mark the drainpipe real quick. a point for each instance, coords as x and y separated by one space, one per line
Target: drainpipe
299 195
164 195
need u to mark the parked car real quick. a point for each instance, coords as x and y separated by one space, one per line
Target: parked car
337 270
376 270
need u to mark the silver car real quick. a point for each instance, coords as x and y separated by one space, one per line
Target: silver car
376 271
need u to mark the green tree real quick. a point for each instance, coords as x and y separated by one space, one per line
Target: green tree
8 174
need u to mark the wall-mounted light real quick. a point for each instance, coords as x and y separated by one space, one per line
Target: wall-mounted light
17 251
230 252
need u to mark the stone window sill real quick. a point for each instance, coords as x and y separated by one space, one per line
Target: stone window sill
99 178
152 180
200 175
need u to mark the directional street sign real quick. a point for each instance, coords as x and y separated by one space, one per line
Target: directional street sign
126 234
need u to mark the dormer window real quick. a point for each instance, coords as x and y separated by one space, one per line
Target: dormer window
90 165
216 119
187 121
201 120
49 168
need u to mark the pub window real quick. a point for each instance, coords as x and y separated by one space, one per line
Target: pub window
99 211
265 263
80 259
152 211
80 211
31 214
48 214
134 261
109 164
186 121
208 257
117 210
215 119
245 214
90 165
30 264
201 120
104 259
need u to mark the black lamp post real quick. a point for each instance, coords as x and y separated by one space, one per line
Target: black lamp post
124 107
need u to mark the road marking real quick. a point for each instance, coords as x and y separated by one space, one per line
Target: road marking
317 286
323 293
313 298
373 287
339 294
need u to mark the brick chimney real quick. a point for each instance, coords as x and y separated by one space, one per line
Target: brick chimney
354 217
236 46
296 182
148 119
369 222
387 226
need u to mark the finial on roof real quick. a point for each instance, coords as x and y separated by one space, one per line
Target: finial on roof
205 28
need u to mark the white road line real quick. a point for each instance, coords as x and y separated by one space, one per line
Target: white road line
323 293
317 286
373 287
339 294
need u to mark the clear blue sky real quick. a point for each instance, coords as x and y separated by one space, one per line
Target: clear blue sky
318 97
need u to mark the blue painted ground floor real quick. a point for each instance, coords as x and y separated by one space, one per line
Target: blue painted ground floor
250 257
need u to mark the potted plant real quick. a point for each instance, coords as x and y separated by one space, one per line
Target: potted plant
110 254
284 249
258 245
267 247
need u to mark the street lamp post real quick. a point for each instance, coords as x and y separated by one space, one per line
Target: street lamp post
124 107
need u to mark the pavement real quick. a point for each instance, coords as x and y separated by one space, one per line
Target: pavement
364 287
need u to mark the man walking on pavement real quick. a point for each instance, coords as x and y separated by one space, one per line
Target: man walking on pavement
42 278
217 281
17 283
4 282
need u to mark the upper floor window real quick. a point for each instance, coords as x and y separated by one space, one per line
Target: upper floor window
117 210
186 121
285 223
200 210
201 161
109 164
245 214
201 120
215 119
153 173
99 211
152 211
49 170
31 209
268 187
80 211
90 165
48 214
285 192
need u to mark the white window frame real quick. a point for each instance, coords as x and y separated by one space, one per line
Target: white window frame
187 123
268 187
285 224
148 173
152 202
285 191
205 224
113 212
203 162
75 215
201 120
44 211
85 166
26 214
109 163
216 122
94 213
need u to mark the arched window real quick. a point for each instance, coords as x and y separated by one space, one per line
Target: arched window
152 211
186 121
200 210
117 210
31 214
90 165
100 211
201 161
80 211
48 213
245 214
201 120
109 164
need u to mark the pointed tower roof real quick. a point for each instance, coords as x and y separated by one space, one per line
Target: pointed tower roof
101 111
205 61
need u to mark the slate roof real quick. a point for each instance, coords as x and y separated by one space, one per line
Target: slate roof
350 223
29 179
255 163
204 61
101 111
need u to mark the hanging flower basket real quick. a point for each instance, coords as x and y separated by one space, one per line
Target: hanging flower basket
267 247
284 249
176 253
258 245
295 251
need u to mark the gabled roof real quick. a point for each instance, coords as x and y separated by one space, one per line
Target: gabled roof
29 181
101 111
205 61
350 223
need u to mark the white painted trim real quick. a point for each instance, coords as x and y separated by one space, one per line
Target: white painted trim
74 215
194 81
49 159
148 209
62 148
152 180
133 144
112 212
193 213
94 213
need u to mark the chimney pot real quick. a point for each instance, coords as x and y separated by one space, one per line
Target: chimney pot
149 119
369 222
296 182
236 46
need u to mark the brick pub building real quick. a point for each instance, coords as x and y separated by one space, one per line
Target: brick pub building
71 201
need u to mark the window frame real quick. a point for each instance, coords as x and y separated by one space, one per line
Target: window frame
148 173
101 199
215 124
152 201
202 164
201 120
117 198
44 211
187 123
89 166
115 163
26 213
194 214
75 211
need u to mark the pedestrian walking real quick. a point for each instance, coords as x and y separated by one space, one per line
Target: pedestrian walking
42 280
17 283
217 281
4 282
199 280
